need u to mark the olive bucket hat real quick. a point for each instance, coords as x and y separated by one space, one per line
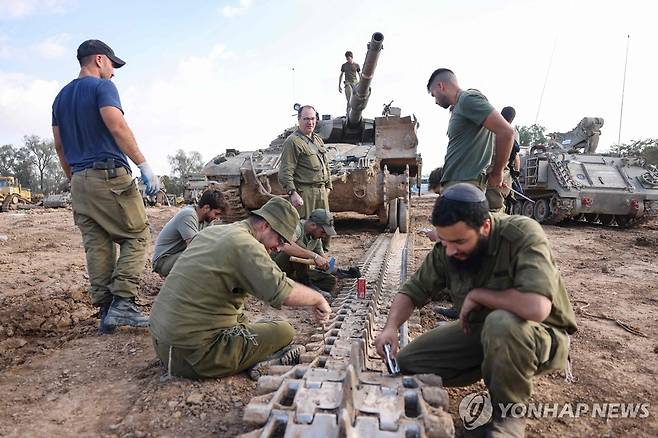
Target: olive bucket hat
323 218
282 217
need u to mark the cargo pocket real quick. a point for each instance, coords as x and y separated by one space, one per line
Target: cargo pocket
130 207
313 161
555 349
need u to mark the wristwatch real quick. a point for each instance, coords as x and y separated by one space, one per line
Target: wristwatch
291 191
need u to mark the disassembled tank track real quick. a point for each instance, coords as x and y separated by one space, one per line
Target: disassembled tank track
341 388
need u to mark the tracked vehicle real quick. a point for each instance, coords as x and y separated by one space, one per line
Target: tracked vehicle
567 179
373 162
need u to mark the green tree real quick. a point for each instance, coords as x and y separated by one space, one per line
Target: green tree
182 165
646 148
43 153
7 160
24 168
532 135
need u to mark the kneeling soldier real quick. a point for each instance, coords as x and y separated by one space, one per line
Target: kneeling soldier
308 245
514 312
197 322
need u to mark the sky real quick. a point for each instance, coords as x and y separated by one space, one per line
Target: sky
206 75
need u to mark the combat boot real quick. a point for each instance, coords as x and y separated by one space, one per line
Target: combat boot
103 328
505 427
450 313
286 356
124 311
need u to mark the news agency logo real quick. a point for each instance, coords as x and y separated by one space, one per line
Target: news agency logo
475 410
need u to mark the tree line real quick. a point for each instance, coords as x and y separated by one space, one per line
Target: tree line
36 166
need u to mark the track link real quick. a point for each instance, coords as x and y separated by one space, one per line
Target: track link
341 388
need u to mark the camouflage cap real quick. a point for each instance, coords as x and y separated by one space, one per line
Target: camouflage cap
281 216
322 217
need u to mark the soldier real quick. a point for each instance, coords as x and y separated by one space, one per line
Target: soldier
473 122
182 228
92 140
514 312
198 324
350 69
304 170
308 245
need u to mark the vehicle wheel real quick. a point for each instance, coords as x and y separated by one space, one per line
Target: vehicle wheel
623 221
517 208
528 208
392 215
403 215
10 203
606 219
542 211
592 218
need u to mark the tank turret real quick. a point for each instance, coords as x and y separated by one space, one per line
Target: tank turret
373 162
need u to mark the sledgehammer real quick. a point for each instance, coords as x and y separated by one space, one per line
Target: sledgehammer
311 262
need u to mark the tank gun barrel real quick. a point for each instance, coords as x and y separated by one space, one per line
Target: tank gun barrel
361 93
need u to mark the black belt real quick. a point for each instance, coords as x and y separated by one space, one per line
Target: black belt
110 165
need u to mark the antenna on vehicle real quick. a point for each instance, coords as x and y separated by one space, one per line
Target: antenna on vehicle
548 70
623 87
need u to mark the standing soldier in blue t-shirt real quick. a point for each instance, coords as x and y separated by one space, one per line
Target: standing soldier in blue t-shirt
92 140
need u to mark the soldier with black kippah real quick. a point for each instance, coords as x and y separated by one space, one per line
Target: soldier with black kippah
514 312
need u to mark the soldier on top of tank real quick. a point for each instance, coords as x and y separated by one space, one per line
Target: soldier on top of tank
350 70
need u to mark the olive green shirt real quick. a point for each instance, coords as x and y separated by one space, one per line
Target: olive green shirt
301 239
518 257
206 289
308 242
304 161
470 144
350 71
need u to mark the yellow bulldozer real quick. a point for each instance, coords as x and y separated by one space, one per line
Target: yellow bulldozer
12 194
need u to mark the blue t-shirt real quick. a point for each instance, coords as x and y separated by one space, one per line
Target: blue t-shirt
76 111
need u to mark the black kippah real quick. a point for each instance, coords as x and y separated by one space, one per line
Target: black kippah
464 192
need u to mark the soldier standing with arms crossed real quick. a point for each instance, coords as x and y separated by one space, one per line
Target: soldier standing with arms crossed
92 140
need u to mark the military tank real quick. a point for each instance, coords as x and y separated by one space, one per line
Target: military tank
373 162
567 179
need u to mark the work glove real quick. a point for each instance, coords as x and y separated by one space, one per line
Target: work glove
151 182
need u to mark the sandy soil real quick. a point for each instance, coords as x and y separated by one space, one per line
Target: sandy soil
58 377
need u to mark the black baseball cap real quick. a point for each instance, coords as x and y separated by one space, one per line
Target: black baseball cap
98 47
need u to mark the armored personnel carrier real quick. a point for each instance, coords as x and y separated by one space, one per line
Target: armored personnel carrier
373 162
567 179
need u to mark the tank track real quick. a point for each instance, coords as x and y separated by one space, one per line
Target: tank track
237 210
341 387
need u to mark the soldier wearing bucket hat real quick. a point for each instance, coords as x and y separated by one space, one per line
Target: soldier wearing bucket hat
307 244
197 322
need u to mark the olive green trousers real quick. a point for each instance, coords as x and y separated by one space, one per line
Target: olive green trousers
303 274
504 350
234 350
165 263
495 196
110 211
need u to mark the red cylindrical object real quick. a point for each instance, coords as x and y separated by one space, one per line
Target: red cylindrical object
361 287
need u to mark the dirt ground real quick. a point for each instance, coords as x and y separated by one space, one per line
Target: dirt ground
59 377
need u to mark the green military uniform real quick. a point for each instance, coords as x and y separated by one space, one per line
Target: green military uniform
197 321
350 70
501 348
301 272
470 144
304 168
108 209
